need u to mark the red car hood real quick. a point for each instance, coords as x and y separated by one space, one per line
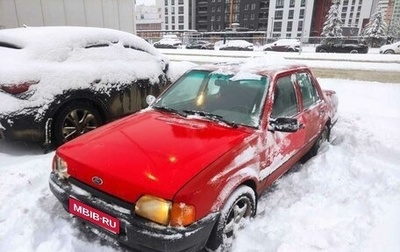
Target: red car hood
148 153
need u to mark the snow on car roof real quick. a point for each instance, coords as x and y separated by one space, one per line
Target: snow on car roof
57 36
238 43
264 65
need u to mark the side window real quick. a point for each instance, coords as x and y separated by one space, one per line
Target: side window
285 102
309 93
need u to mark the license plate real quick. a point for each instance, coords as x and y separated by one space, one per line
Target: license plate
93 215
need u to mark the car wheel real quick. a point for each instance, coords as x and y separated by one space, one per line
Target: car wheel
324 137
268 49
353 51
73 120
240 206
322 51
388 52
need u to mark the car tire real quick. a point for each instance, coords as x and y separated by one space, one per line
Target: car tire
324 137
73 120
241 205
388 51
354 51
322 51
268 49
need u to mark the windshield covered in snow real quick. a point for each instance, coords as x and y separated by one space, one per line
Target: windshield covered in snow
236 99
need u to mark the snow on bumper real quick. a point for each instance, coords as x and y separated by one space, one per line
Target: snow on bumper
135 232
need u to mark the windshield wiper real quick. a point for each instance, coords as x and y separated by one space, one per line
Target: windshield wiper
170 110
211 116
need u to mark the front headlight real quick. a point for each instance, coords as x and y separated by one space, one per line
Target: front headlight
165 212
60 167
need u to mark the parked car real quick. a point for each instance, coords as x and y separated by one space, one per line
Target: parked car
339 45
185 173
200 44
59 82
283 45
390 49
237 45
168 41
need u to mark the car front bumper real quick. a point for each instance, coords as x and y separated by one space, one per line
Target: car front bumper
135 232
22 127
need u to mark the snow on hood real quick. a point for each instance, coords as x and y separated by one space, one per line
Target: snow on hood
237 43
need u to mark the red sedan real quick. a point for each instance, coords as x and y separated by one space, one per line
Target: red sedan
183 174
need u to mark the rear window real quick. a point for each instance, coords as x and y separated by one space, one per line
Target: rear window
8 45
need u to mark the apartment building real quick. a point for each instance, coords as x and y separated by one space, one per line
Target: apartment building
178 15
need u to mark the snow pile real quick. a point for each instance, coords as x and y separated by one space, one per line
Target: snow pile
347 198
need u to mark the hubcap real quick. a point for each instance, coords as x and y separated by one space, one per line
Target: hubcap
78 122
241 210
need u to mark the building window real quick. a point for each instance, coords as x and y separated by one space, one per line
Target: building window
173 19
172 2
278 14
180 2
301 15
353 2
303 3
277 26
291 3
252 16
180 19
180 10
245 16
246 6
181 27
300 27
166 10
166 20
346 2
212 18
291 14
279 3
253 6
166 2
172 10
289 26
173 27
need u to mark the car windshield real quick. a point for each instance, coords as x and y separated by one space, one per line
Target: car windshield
231 99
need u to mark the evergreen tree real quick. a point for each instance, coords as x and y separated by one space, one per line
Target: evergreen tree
375 30
333 23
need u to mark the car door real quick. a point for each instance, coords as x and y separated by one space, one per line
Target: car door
282 147
312 107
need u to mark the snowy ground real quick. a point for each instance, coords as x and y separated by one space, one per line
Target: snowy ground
347 198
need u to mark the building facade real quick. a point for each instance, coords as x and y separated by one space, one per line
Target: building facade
115 14
178 15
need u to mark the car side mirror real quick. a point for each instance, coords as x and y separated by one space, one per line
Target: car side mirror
150 99
284 124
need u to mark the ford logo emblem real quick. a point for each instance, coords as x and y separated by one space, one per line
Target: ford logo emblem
97 180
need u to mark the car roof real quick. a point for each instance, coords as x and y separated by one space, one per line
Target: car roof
265 66
70 36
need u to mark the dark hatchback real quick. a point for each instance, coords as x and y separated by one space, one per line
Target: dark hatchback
339 45
200 44
57 83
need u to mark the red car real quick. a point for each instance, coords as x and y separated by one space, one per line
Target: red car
184 173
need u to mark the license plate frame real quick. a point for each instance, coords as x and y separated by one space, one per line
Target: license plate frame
94 216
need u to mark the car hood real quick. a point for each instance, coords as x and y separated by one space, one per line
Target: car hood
148 153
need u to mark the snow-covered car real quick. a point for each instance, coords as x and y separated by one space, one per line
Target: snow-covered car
59 82
283 45
168 41
341 45
200 44
237 45
390 49
186 172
